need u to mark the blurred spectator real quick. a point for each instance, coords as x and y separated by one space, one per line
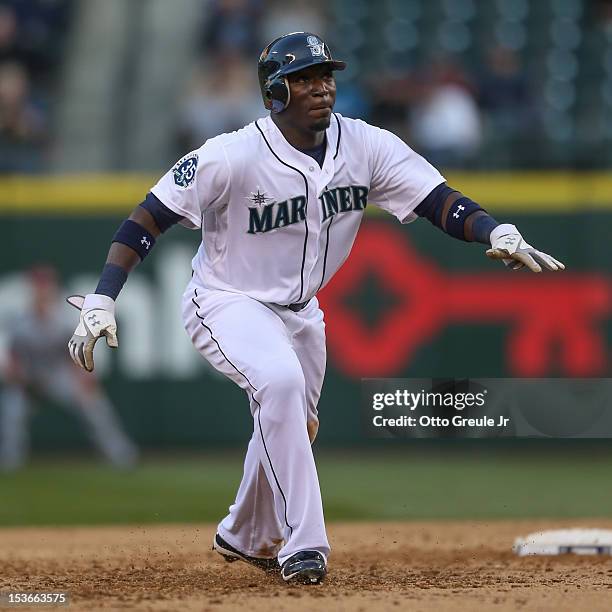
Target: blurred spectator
445 121
23 129
32 36
222 98
298 16
504 95
33 32
10 47
604 11
232 25
351 101
393 94
39 366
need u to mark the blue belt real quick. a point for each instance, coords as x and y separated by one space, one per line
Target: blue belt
298 307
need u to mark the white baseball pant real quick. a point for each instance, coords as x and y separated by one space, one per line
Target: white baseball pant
278 357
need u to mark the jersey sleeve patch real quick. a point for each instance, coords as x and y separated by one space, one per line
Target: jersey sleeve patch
184 171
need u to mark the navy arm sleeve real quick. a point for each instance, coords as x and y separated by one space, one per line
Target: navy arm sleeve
163 216
456 215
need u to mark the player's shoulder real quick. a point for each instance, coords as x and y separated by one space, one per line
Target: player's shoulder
350 124
227 148
357 128
361 132
216 154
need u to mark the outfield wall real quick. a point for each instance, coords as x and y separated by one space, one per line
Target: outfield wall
409 301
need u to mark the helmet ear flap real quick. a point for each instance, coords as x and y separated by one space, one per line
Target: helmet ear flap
277 94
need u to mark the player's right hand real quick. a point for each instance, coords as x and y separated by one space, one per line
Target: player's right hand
97 319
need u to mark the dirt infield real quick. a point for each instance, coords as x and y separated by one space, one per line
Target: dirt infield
385 566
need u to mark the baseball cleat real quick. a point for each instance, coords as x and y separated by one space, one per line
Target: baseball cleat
231 554
304 567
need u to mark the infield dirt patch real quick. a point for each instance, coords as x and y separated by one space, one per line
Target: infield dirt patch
374 566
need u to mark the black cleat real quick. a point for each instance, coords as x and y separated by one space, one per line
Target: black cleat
231 554
305 567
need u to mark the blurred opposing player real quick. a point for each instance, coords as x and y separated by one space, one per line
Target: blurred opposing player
279 203
38 367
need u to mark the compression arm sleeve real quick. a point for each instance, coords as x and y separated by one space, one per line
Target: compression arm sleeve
163 216
457 215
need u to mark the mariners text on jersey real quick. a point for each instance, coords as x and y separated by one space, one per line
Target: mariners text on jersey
280 214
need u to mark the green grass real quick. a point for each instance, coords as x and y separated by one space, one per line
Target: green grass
368 485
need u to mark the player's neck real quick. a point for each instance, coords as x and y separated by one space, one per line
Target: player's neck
299 138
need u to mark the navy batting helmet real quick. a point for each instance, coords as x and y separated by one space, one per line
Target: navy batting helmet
287 54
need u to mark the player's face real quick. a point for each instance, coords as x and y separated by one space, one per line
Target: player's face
313 95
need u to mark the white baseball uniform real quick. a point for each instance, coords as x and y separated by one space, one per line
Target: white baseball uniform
275 229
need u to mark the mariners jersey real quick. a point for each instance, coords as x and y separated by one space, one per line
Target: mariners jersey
276 226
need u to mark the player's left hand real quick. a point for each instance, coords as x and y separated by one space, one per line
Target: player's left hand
508 245
97 319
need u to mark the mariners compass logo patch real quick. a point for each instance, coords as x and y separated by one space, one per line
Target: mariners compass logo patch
258 198
185 170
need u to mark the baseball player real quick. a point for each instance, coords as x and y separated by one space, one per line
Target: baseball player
38 366
279 203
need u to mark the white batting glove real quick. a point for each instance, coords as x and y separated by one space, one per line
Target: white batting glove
97 319
508 245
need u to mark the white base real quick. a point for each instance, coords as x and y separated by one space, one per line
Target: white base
563 541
